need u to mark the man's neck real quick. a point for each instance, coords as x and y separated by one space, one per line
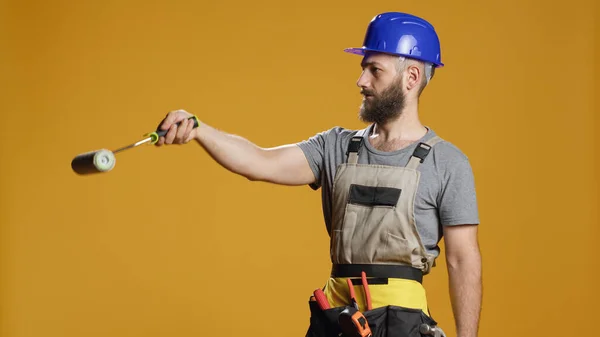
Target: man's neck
406 127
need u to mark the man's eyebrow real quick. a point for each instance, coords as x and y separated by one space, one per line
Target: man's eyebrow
371 63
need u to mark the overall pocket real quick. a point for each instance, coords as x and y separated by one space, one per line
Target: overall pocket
344 236
363 234
398 249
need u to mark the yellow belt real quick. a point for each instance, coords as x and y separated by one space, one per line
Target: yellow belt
399 292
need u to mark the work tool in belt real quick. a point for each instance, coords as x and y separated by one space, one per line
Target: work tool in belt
352 322
321 300
432 331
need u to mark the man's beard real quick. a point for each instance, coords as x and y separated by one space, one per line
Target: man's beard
384 107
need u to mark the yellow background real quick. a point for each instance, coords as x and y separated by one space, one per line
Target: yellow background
170 244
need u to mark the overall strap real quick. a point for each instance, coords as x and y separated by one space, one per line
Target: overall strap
422 151
354 147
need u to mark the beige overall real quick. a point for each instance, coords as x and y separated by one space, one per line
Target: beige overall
373 231
373 212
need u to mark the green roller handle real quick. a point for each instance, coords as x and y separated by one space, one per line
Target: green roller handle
155 136
104 160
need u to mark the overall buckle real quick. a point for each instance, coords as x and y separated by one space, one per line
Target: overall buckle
355 144
422 151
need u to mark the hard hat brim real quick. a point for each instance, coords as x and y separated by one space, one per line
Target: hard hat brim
362 51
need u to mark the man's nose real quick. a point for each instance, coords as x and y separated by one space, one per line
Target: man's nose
364 80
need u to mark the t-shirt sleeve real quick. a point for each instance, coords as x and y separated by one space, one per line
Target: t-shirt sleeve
314 150
458 202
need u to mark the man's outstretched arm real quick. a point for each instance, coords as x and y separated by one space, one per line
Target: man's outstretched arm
464 273
285 164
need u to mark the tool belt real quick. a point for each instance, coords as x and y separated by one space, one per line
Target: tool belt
386 321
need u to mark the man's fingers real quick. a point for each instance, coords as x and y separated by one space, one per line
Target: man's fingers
167 121
170 136
181 131
172 118
176 134
162 125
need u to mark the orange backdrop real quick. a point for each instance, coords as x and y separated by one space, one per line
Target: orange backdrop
170 244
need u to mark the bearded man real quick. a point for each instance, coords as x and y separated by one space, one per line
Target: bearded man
390 192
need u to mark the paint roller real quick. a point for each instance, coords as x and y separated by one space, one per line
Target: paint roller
104 160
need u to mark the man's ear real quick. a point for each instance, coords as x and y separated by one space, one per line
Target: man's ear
414 75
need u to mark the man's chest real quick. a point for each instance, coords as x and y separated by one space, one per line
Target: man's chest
391 146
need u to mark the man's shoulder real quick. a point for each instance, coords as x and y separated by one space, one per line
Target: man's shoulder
445 151
340 135
343 132
448 149
328 142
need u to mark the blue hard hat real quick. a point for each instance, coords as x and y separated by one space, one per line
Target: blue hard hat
403 35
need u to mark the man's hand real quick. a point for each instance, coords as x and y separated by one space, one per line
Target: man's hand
464 273
177 134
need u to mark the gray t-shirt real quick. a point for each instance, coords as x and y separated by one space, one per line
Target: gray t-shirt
446 192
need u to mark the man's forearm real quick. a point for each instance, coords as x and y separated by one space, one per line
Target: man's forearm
233 152
466 293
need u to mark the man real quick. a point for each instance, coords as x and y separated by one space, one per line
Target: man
390 191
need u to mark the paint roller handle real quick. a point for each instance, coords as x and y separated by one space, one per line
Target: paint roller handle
155 136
